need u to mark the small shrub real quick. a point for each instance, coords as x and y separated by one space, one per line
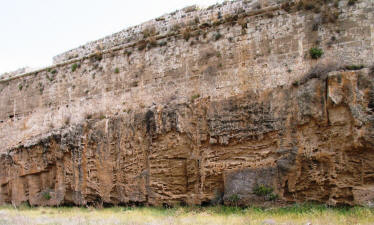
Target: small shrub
149 31
262 190
142 45
98 56
217 36
162 43
315 53
116 70
152 42
189 9
54 71
197 20
310 5
127 52
234 199
273 197
20 86
88 116
186 33
47 196
74 67
352 2
354 67
196 96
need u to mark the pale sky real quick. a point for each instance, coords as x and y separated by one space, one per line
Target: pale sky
33 31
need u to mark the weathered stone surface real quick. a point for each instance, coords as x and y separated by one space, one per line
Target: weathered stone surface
199 122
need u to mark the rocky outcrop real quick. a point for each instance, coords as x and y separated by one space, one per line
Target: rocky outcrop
312 141
232 109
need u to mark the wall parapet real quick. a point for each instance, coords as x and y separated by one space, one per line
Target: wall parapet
168 24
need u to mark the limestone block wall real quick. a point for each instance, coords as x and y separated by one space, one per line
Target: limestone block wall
218 62
165 25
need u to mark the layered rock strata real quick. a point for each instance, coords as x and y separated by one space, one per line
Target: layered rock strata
235 113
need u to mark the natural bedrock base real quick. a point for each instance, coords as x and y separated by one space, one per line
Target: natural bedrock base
312 141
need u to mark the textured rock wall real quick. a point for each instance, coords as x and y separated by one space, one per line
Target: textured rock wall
242 117
166 25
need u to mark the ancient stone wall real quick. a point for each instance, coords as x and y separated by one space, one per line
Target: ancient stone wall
166 25
233 109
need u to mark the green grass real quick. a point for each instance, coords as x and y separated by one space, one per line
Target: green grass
74 67
47 195
293 214
262 190
195 96
354 67
315 53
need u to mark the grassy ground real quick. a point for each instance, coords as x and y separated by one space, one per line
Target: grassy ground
297 214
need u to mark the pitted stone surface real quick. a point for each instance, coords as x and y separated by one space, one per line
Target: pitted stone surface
179 120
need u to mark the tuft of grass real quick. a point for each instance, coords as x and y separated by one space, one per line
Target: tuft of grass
273 197
186 33
217 36
234 199
354 67
98 56
196 96
352 2
262 190
74 67
149 31
315 53
116 70
20 86
47 196
127 53
142 45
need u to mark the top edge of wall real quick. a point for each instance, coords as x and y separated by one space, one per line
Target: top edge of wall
163 25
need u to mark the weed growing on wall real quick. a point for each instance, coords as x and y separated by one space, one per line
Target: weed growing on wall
315 53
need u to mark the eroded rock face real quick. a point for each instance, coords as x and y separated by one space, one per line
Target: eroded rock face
311 141
223 105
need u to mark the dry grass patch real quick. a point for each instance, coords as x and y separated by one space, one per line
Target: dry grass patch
296 214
